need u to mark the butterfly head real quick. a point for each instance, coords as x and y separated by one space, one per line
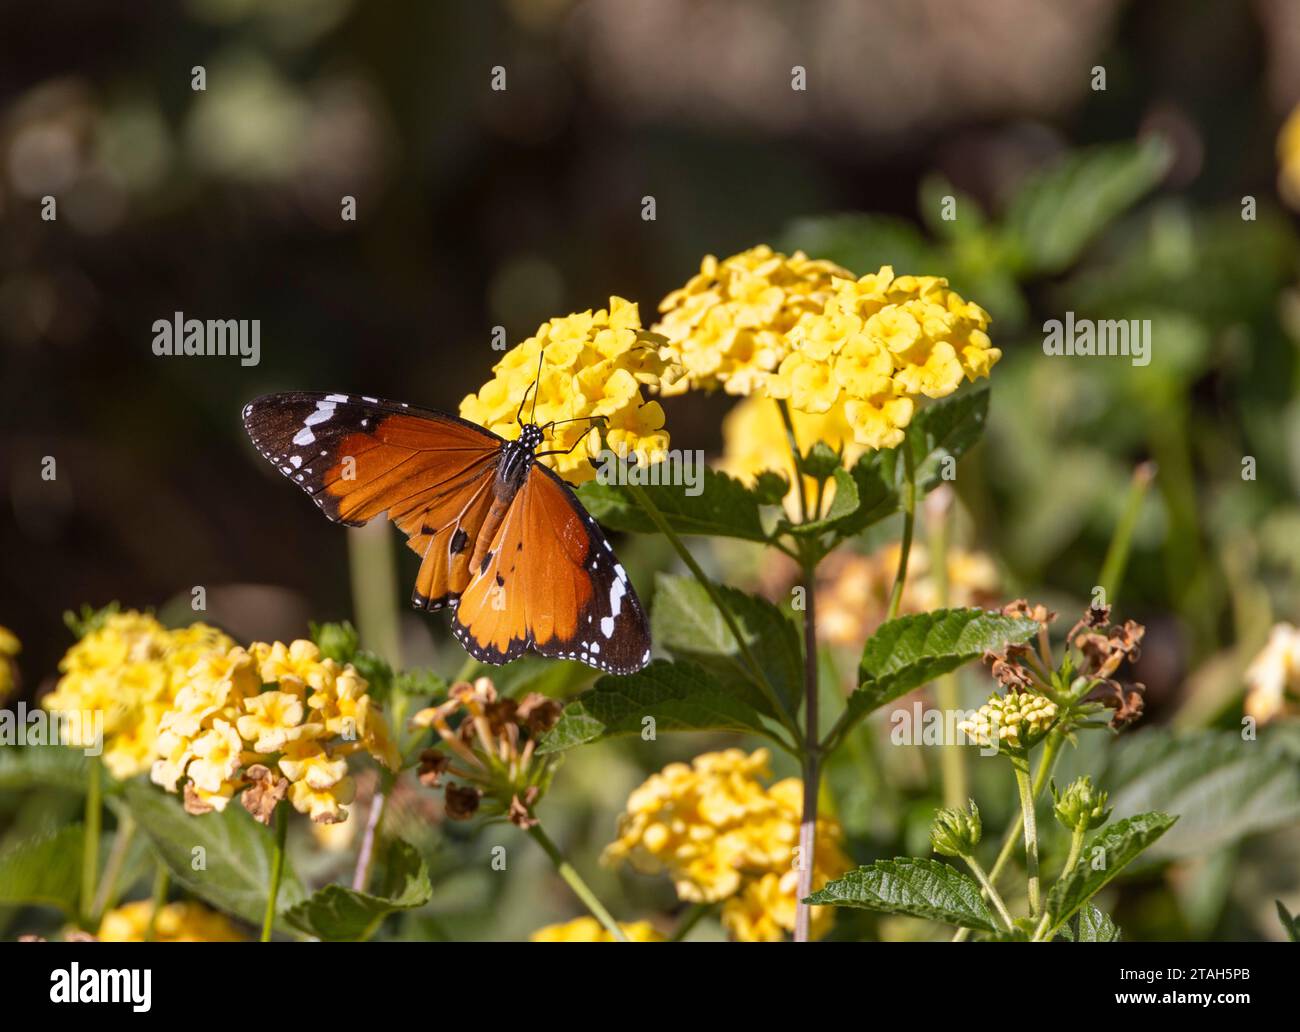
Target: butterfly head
531 436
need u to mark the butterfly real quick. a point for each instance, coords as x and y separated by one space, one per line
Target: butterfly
503 542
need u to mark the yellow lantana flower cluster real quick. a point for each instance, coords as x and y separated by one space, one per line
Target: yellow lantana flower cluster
592 364
721 835
129 668
1016 719
727 325
880 342
588 929
271 720
177 922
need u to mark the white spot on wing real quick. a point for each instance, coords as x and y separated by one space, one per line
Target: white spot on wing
304 436
607 626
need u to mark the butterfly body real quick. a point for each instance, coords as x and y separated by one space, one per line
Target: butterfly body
503 541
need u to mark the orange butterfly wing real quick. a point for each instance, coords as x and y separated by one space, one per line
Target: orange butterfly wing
550 581
359 457
546 577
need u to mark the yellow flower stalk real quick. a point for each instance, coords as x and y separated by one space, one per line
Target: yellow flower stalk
592 363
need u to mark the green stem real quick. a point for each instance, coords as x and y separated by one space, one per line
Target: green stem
1046 763
375 590
952 756
277 871
794 454
812 759
1030 821
1112 567
90 848
106 897
574 880
694 916
909 520
756 672
989 890
1076 847
162 879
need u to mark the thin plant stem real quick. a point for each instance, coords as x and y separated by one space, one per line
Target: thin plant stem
1076 847
989 890
794 453
107 894
277 871
952 756
909 521
90 847
1112 567
162 880
574 880
1030 821
365 855
756 671
1046 763
812 759
374 589
694 916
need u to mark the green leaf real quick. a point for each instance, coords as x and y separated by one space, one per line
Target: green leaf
1289 924
1222 788
940 432
908 652
1094 925
724 507
335 913
43 766
44 871
687 623
1113 848
843 505
336 641
233 871
1060 210
876 498
917 887
679 696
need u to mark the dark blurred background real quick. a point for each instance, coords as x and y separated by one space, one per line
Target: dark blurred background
478 208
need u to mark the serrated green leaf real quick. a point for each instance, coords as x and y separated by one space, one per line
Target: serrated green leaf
908 885
679 696
43 766
1114 848
724 507
1222 788
233 871
1058 211
44 871
685 621
1094 925
939 432
876 498
336 913
908 652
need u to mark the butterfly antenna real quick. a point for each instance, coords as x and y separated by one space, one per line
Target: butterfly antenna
532 416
